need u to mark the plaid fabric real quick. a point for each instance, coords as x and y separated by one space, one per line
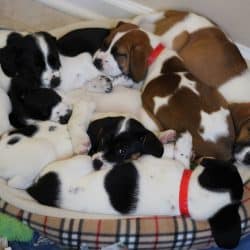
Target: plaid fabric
136 233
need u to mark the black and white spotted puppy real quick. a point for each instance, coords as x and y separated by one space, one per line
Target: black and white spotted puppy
146 186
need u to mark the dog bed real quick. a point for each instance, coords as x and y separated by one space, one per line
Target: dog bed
71 229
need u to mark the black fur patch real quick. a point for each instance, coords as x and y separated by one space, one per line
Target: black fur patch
52 128
28 130
221 176
121 184
13 140
46 190
82 40
226 227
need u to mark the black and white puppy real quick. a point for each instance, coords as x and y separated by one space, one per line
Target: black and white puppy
146 186
38 60
117 139
36 145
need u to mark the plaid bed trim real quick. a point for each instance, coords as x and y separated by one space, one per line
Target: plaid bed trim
147 233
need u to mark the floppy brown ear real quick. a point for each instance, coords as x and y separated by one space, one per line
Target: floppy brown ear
138 64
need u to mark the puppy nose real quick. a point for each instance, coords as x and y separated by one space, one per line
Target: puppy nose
97 164
98 63
55 82
247 159
64 119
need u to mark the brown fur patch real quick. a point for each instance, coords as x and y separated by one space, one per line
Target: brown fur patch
211 57
243 135
240 113
173 64
171 17
180 41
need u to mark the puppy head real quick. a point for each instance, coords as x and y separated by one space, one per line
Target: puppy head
127 140
33 57
45 104
124 52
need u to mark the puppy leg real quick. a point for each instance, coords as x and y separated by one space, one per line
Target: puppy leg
183 148
5 107
100 84
78 124
126 82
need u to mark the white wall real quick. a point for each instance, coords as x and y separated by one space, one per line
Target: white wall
233 16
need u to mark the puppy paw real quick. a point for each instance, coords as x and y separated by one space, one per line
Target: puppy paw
100 84
183 149
81 144
167 136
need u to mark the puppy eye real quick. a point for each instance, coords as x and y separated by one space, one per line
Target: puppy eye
122 152
142 138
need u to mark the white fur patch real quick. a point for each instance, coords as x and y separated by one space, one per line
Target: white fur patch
160 101
191 23
237 89
48 72
214 125
148 21
185 82
5 109
123 126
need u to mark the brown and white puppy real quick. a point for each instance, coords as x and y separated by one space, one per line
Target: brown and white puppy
210 55
172 97
206 50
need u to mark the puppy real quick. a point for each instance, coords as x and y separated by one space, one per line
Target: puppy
36 145
147 186
33 61
172 97
203 45
200 43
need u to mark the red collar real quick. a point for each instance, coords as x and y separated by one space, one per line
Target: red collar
183 195
155 53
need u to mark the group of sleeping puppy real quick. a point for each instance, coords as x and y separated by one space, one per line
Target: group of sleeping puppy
110 120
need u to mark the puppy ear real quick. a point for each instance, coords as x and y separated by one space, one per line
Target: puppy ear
10 55
221 176
152 145
138 64
226 227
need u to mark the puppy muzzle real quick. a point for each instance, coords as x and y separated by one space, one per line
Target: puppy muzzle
65 118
